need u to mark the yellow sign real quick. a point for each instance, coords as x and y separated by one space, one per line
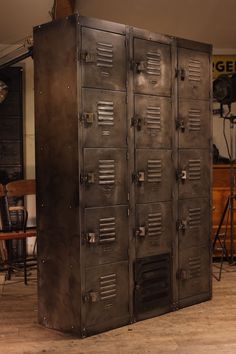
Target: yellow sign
223 64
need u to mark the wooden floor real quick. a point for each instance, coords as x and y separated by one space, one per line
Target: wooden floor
206 328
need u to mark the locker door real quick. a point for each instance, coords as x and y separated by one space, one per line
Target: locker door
193 174
193 74
104 59
104 177
152 68
153 230
152 122
193 124
106 235
153 176
104 118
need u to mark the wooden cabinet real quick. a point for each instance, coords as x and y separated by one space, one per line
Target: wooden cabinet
221 192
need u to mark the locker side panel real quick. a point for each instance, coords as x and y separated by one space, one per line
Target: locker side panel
57 174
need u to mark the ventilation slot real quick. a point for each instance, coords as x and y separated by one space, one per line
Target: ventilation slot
108 287
153 63
106 172
104 55
153 119
194 67
194 267
152 280
194 120
107 230
194 218
154 171
154 225
194 170
105 112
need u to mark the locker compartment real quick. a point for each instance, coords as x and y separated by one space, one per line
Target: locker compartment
152 68
193 223
105 177
193 74
153 229
193 173
106 297
153 122
193 124
12 149
194 273
153 292
153 176
104 118
103 59
106 235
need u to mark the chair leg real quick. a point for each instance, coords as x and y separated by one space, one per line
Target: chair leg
25 255
9 270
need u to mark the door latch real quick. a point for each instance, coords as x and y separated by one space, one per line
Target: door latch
88 117
138 177
181 175
89 57
181 225
180 125
88 178
91 297
136 122
91 238
140 231
183 274
138 67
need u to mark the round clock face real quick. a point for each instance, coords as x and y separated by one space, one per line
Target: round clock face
3 91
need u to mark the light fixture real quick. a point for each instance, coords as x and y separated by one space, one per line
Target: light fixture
3 91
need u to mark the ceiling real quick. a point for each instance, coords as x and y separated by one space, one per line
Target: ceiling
211 21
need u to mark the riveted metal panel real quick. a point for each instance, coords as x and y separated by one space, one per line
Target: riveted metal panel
106 235
195 175
106 296
153 231
104 59
152 122
193 223
153 175
193 123
105 173
104 118
152 67
194 272
193 74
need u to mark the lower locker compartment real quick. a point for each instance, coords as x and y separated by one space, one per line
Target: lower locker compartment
152 293
106 297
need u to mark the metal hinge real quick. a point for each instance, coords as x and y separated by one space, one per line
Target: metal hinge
91 297
87 178
181 174
138 177
181 225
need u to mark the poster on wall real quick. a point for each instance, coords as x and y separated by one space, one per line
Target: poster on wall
223 64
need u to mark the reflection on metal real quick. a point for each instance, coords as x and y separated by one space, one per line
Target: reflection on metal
133 169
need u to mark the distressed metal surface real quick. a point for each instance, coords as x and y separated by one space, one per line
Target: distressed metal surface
107 170
104 59
153 231
152 67
193 124
106 235
152 122
106 296
157 175
106 124
10 152
193 75
195 225
195 164
194 272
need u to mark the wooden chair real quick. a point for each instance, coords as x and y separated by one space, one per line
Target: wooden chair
17 217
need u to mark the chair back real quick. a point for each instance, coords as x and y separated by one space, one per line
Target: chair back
20 188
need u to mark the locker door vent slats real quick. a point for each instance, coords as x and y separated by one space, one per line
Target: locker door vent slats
155 225
194 170
153 118
107 230
194 67
154 170
106 172
104 55
153 63
194 120
194 218
152 283
105 112
108 287
194 267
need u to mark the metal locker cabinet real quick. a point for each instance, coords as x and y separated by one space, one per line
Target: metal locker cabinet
123 138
